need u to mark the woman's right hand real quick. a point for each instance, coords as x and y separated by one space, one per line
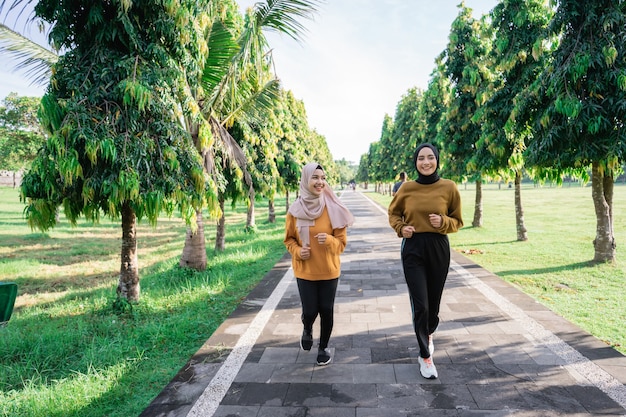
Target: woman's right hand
305 252
407 232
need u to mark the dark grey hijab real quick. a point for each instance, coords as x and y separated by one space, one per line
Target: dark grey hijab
426 179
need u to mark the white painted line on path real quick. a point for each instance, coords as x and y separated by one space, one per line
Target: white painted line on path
574 360
210 399
375 204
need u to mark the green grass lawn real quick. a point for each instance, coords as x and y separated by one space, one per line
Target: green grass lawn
68 352
553 266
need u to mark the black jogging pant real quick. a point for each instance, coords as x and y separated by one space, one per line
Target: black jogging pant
318 298
425 260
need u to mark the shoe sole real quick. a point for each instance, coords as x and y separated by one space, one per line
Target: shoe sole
306 344
324 363
427 377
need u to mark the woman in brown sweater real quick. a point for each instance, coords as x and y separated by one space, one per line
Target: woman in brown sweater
315 236
422 213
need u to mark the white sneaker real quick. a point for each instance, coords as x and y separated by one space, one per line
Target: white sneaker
431 345
427 368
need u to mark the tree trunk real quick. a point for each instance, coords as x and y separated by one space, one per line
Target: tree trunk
194 251
271 210
250 219
478 205
128 286
602 194
286 201
220 233
522 234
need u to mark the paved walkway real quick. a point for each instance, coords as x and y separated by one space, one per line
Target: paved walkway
498 352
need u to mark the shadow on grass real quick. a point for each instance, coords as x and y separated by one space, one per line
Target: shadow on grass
178 311
537 271
501 242
145 345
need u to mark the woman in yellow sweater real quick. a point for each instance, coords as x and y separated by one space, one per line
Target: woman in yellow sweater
315 236
422 213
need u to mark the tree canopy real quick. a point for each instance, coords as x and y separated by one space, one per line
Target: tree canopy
20 133
527 89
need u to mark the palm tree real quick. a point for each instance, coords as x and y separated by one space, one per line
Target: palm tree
236 86
29 56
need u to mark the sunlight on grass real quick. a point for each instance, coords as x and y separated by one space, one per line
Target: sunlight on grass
60 397
68 352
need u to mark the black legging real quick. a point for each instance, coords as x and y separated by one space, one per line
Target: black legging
425 259
318 297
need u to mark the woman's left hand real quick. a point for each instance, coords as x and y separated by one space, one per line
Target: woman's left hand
436 220
321 238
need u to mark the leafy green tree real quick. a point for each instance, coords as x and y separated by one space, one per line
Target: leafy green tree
345 170
116 145
581 104
385 166
261 149
291 151
433 105
19 142
305 144
404 138
320 152
379 153
20 133
362 174
518 57
464 68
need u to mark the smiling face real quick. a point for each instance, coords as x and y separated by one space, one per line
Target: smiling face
317 182
426 162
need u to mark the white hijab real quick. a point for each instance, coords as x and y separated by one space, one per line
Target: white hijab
309 206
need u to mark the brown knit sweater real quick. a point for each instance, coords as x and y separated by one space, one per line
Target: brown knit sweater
414 202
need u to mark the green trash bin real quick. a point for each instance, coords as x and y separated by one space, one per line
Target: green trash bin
8 293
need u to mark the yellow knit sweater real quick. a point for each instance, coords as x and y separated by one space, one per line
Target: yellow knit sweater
324 263
414 202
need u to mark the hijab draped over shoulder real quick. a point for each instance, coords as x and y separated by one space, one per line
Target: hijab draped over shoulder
309 206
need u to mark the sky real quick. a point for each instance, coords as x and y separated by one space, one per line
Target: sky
355 62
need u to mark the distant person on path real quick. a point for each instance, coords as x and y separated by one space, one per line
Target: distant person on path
422 213
397 185
315 236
